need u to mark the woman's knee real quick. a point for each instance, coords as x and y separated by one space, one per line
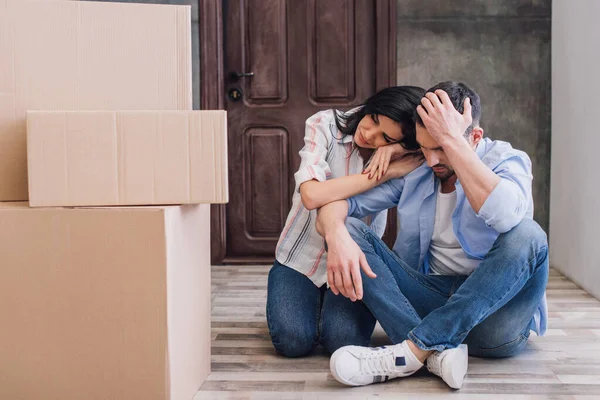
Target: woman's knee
291 337
352 325
292 311
293 341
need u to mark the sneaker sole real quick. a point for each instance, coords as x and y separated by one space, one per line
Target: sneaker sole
457 366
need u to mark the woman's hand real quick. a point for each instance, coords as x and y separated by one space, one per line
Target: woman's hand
382 157
405 165
345 259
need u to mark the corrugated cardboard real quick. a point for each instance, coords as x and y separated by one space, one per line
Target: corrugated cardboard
106 303
127 158
86 56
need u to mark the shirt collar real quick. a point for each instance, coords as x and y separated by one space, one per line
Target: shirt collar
481 146
348 138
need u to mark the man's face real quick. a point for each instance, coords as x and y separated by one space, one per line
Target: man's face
434 154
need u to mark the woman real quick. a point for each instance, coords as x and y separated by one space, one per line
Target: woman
301 311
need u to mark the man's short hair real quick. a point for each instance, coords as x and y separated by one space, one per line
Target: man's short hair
458 92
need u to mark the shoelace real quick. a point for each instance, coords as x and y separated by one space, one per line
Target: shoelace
377 362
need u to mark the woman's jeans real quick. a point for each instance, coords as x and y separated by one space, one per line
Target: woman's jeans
301 315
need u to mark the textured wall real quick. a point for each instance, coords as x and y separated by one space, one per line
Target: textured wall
195 38
501 48
574 217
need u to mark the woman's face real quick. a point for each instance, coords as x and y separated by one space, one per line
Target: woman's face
376 130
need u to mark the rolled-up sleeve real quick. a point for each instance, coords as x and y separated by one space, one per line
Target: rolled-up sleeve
379 198
511 199
313 164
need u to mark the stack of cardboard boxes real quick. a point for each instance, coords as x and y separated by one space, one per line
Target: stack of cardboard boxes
106 175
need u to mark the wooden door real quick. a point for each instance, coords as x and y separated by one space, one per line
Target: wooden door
282 62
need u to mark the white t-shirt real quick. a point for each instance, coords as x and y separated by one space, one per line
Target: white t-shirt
446 256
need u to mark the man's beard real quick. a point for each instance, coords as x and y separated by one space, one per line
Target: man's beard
444 176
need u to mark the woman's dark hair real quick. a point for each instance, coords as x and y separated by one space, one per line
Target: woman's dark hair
398 103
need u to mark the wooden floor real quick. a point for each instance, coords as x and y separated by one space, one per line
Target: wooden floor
564 364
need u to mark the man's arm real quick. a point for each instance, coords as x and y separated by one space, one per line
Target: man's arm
382 197
476 178
500 196
509 202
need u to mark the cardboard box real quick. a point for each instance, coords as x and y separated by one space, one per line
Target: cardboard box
106 303
127 158
57 55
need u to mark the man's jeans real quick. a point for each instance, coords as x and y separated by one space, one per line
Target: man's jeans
491 310
301 315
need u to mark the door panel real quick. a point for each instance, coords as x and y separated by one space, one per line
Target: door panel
266 182
266 51
331 51
283 62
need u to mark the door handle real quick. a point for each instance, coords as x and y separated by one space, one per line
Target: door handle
235 76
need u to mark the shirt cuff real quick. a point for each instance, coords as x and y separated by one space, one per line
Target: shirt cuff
491 210
308 173
351 206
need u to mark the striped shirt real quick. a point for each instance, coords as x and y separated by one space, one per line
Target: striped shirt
325 155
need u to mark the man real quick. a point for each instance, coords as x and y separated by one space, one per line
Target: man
468 271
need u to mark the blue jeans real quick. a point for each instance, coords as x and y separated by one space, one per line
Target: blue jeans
491 310
301 315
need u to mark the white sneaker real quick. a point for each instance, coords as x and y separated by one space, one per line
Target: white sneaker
359 366
450 365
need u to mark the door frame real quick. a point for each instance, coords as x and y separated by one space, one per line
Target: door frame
212 97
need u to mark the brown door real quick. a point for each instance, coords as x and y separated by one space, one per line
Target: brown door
283 61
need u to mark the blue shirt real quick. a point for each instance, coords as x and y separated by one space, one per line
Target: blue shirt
415 198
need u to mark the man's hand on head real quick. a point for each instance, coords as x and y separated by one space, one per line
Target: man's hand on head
442 120
344 261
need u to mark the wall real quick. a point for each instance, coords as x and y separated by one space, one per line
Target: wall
501 48
574 216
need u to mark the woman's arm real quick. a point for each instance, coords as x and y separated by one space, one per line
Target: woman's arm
383 156
316 194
